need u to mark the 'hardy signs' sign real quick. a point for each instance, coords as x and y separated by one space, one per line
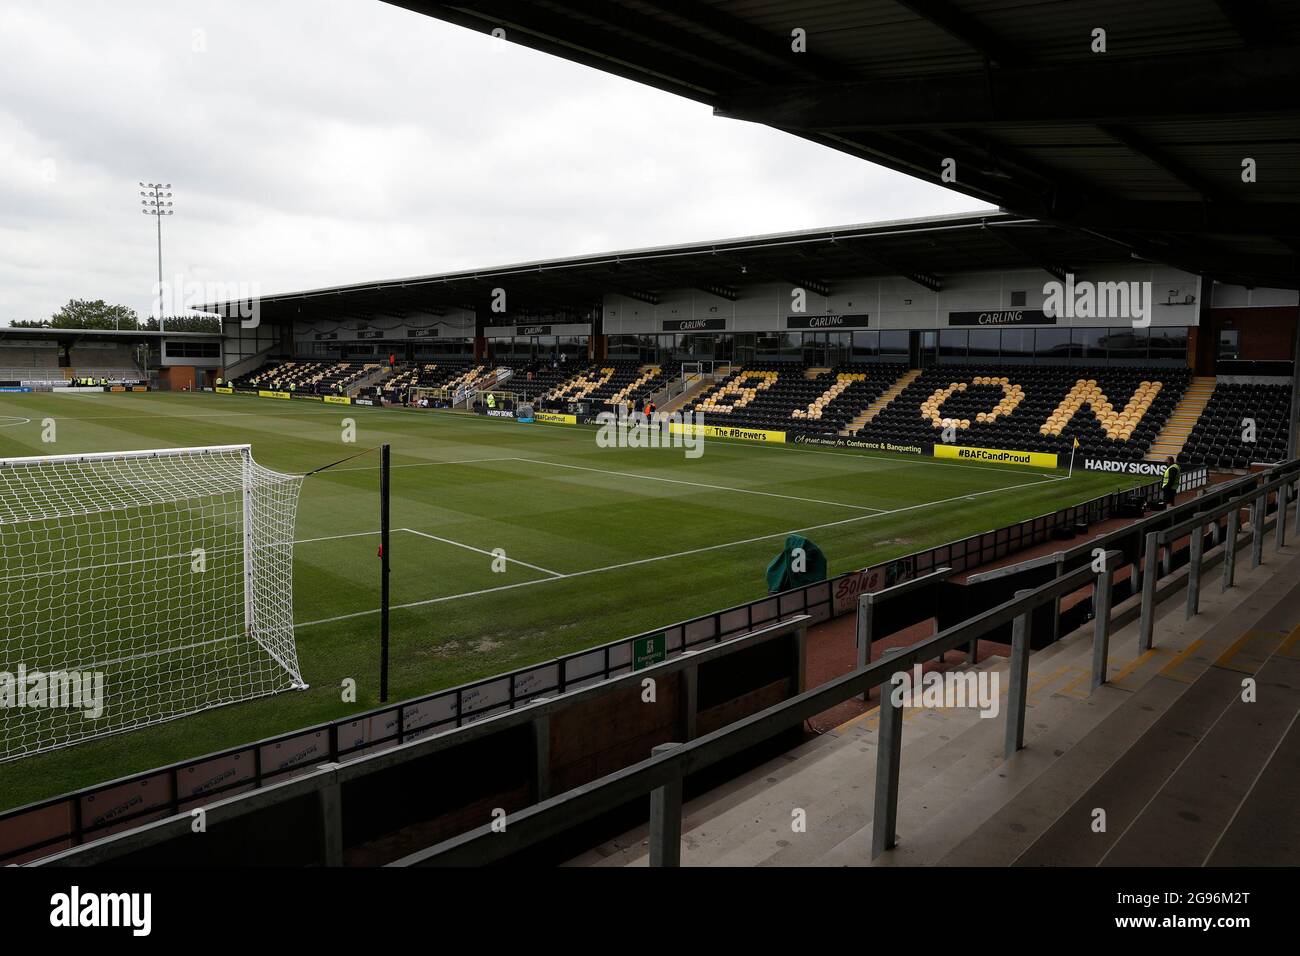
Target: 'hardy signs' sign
695 325
649 650
1003 317
1144 468
828 321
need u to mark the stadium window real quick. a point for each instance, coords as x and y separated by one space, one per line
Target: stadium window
1017 343
866 346
894 343
744 345
791 347
624 347
573 346
985 343
929 346
1229 344
1126 342
1169 344
953 343
837 347
1052 344
768 345
1088 344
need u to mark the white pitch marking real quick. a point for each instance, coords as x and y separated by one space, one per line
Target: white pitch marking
665 557
700 484
490 554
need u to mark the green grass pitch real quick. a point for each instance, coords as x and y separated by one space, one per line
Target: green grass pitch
603 542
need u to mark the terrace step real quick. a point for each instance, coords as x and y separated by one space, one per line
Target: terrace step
1145 749
1183 419
693 391
876 407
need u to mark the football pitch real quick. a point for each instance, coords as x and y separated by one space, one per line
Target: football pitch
511 543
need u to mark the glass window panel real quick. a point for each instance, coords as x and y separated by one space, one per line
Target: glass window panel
985 343
893 343
1088 343
1052 343
953 343
1168 343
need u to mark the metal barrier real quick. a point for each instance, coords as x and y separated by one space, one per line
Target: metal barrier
660 776
662 773
1246 493
326 779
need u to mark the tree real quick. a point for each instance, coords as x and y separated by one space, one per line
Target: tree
186 323
84 314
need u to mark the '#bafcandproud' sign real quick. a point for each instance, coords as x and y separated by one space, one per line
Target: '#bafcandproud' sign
996 456
337 400
722 431
263 393
555 419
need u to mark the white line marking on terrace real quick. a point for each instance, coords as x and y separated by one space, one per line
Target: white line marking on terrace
666 557
700 484
490 554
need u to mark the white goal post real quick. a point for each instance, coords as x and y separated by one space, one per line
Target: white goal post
140 586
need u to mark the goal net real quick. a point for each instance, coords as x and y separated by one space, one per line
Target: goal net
138 587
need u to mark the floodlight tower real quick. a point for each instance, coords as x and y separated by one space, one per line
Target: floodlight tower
156 200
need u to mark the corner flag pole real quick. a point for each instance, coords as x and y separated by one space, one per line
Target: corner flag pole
383 575
1072 451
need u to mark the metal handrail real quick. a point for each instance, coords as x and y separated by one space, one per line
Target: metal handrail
664 770
325 779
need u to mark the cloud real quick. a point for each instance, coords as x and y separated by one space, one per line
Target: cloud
318 142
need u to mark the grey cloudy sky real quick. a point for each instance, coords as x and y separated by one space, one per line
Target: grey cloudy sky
317 142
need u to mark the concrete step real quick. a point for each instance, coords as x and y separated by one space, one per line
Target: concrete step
1265 830
1136 775
1183 822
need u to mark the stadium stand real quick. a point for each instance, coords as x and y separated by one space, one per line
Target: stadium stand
609 384
94 360
426 375
1113 412
795 397
308 376
27 363
1219 436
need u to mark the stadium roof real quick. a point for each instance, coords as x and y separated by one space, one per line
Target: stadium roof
1142 144
922 250
18 332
